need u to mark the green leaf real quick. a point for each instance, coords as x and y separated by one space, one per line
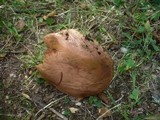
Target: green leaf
127 35
66 100
92 99
49 21
118 2
67 112
18 3
135 95
130 64
155 16
147 26
141 29
140 17
95 101
134 75
40 20
98 104
39 80
155 47
121 67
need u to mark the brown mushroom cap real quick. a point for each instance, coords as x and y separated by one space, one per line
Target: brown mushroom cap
75 65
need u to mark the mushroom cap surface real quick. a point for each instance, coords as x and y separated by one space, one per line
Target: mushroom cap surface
74 65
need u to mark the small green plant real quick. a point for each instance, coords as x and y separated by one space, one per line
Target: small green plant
126 65
66 100
95 101
39 80
66 112
135 95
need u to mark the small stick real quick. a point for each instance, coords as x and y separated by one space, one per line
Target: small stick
58 114
48 105
101 116
53 110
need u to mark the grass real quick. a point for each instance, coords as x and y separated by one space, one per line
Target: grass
114 24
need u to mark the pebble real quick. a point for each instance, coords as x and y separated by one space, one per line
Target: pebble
124 50
12 75
78 104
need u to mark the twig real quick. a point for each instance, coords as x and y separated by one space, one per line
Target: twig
49 105
10 115
101 116
120 98
60 14
58 114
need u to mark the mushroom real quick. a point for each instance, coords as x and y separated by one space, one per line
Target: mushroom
74 65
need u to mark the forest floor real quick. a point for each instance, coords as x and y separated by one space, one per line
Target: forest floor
128 30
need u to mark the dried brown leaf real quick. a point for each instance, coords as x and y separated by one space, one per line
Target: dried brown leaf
2 55
103 97
26 96
84 6
51 14
157 36
73 110
20 24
